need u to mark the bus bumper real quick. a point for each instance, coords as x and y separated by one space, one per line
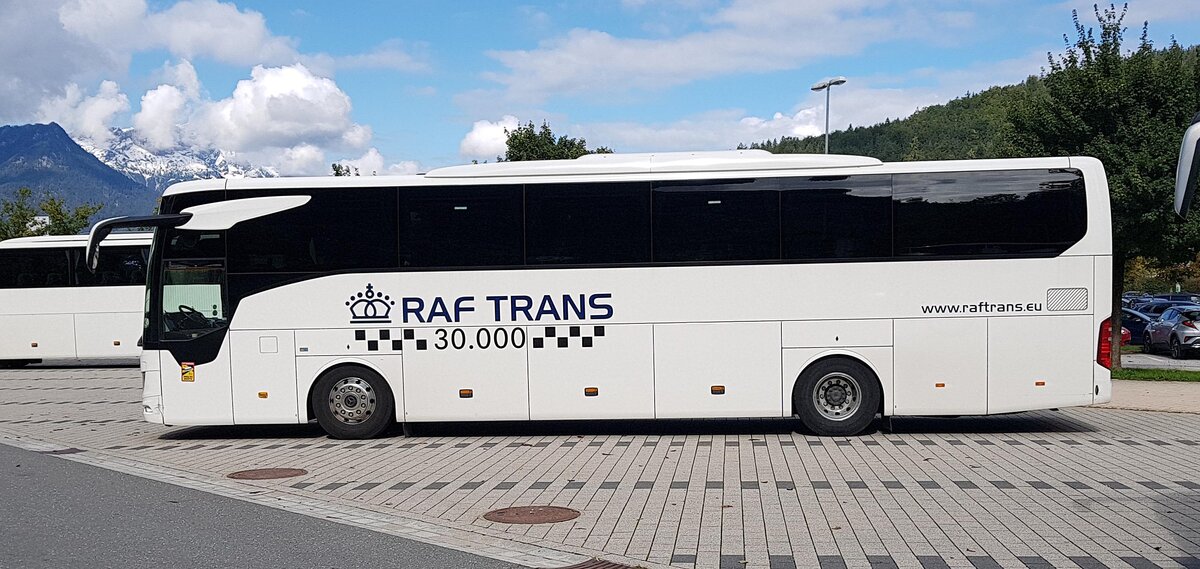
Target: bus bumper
152 409
151 397
1102 390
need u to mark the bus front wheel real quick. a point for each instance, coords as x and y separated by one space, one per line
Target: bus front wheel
352 402
837 397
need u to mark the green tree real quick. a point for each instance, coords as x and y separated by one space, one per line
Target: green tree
344 170
528 142
17 216
1129 109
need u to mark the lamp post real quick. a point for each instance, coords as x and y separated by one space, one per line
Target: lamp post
826 86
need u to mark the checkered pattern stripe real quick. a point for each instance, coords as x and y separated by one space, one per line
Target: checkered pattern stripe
567 336
380 340
1063 299
392 340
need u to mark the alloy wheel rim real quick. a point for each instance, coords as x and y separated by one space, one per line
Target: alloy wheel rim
352 400
837 396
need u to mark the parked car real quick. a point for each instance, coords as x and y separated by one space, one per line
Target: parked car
1176 330
1126 336
1184 296
1130 298
1156 307
1136 323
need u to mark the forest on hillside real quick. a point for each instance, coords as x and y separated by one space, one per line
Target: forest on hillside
1127 106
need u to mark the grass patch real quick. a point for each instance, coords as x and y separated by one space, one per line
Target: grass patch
1131 349
1156 374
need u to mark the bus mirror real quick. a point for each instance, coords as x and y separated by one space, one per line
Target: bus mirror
103 228
1187 172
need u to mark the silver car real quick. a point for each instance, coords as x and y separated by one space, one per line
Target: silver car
1177 330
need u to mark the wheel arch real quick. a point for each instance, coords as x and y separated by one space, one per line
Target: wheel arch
342 363
885 401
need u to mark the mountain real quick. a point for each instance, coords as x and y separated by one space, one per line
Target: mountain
158 169
45 159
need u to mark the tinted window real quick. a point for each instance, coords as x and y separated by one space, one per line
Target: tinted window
119 266
473 226
185 244
179 202
587 223
353 228
1032 212
727 220
34 268
836 217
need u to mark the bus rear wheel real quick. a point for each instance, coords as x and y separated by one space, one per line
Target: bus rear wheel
352 402
837 397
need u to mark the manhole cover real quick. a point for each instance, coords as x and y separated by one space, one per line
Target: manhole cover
531 515
267 473
599 564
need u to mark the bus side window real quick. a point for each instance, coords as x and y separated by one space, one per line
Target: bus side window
996 213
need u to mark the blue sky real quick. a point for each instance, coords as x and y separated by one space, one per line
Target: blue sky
406 86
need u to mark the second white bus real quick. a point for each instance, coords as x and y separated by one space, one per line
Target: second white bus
52 308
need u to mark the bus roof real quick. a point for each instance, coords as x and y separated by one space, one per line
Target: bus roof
48 241
628 167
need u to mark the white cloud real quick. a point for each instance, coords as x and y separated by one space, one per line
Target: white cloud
189 29
183 75
391 55
278 107
487 139
372 163
86 116
46 45
746 36
302 159
161 111
38 59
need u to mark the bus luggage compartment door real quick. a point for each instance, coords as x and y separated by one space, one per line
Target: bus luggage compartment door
264 380
466 374
941 366
37 336
108 335
586 371
726 369
1039 362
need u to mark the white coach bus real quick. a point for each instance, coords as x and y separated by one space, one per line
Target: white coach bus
52 307
725 284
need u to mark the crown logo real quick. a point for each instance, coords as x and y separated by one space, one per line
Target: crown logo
370 306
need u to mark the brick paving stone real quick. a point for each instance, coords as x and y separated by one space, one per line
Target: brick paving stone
1077 487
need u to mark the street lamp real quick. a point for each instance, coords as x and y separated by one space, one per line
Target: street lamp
826 86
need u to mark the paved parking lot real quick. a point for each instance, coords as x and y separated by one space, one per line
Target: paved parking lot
1073 488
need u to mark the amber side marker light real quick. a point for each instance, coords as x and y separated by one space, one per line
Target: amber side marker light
466 393
1040 383
591 391
939 384
116 342
33 344
718 390
262 394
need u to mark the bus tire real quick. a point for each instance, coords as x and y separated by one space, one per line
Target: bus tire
13 364
353 402
837 397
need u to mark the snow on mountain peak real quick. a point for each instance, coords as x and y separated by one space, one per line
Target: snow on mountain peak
159 169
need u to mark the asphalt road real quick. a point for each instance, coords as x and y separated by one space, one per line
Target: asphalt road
59 513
